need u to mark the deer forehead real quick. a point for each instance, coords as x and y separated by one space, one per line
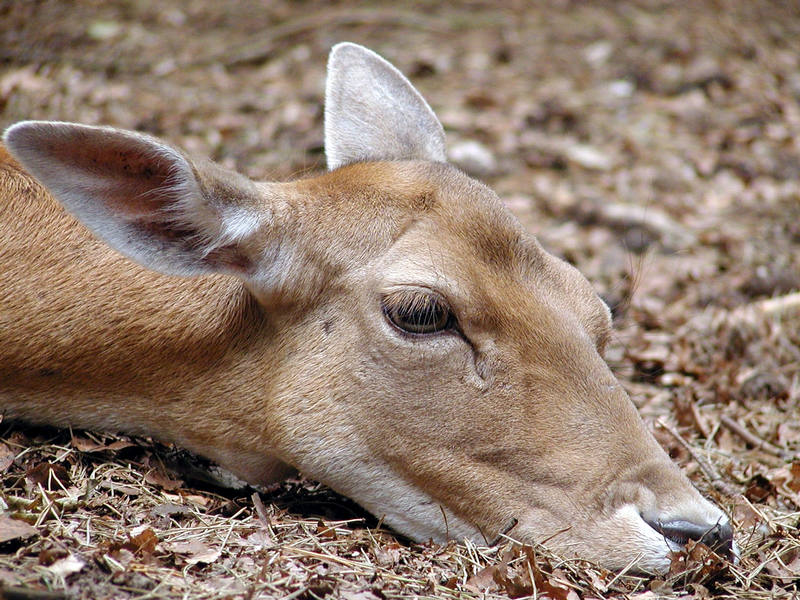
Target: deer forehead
390 199
430 225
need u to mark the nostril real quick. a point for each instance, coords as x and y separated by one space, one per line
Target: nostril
718 537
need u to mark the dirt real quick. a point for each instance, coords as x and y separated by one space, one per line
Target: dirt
655 145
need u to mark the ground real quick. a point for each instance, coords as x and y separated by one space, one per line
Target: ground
654 144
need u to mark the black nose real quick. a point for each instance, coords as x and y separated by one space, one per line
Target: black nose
718 537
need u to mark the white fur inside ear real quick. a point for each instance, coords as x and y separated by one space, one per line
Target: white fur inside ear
373 113
238 224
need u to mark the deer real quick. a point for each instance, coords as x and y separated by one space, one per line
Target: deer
387 328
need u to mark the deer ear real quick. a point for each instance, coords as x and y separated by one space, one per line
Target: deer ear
373 113
143 197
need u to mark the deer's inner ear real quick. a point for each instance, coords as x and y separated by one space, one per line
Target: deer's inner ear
373 113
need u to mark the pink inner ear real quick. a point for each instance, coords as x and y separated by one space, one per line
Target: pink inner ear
132 179
140 196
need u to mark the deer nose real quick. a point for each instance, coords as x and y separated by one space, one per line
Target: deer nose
717 536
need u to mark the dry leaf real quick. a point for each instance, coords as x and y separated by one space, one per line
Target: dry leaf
164 512
788 434
794 481
362 595
163 481
143 544
67 566
195 499
46 473
8 577
50 555
513 577
193 552
786 569
7 456
325 532
125 490
696 563
13 529
744 515
387 554
483 580
86 445
599 582
759 489
260 539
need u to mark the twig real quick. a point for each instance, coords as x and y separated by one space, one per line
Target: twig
24 593
780 306
509 527
753 440
262 512
697 420
708 469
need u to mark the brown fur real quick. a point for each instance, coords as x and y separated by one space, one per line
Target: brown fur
514 416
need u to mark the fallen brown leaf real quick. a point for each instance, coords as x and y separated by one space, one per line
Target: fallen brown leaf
44 474
193 552
7 456
13 529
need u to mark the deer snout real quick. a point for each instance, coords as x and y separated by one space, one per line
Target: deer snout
718 536
660 503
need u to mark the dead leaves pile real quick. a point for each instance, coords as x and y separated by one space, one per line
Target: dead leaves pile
518 575
654 145
77 519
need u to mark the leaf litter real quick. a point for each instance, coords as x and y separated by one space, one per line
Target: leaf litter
654 145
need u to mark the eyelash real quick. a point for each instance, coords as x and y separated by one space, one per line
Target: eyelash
418 312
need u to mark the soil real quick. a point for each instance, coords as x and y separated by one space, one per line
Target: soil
654 144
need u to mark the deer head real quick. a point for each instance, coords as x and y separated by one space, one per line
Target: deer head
387 327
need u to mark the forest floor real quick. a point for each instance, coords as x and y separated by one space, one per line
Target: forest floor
653 144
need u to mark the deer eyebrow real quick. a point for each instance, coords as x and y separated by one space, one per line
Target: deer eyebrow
407 226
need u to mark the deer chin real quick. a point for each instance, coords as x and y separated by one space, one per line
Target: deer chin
395 501
625 541
622 538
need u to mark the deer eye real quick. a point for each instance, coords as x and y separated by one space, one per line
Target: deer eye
418 312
